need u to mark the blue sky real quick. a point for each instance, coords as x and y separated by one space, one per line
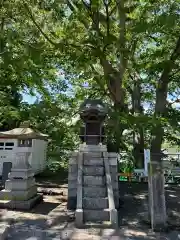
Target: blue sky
28 98
31 99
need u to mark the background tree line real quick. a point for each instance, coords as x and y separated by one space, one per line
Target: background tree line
126 52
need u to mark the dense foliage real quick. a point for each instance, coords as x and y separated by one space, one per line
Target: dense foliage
125 52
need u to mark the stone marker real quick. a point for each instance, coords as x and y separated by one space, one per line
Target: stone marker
6 170
20 189
157 203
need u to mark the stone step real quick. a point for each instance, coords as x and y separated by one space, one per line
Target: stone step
90 155
95 203
97 191
96 215
94 180
93 171
94 148
94 162
98 224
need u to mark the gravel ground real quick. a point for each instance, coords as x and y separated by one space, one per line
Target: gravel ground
35 225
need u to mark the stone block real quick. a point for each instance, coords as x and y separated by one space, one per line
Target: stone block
114 218
112 161
79 217
112 155
18 195
116 201
93 148
21 174
96 215
96 191
72 192
114 177
74 154
5 172
73 161
19 184
89 155
93 170
72 177
73 168
95 203
4 230
113 169
115 185
72 203
94 162
72 184
116 192
94 180
21 205
157 200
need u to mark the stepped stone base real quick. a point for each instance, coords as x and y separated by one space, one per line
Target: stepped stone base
92 157
21 205
18 195
93 206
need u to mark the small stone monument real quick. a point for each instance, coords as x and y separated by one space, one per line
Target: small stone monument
92 179
20 189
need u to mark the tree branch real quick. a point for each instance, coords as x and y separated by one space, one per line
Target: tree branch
170 64
112 76
38 27
175 101
70 5
161 98
107 17
112 10
122 35
95 18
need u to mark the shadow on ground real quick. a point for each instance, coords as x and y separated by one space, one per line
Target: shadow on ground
132 201
135 201
61 226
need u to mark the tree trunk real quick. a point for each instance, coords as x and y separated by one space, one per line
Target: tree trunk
138 135
156 177
138 149
157 203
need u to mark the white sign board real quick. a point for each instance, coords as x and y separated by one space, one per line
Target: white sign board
146 161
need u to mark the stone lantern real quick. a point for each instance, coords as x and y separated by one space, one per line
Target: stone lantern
92 113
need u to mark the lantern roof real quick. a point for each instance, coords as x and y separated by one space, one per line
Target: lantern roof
23 131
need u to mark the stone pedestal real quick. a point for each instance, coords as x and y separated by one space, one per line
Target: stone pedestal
20 189
157 204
